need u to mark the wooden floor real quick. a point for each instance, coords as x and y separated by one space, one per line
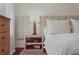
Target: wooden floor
21 51
18 51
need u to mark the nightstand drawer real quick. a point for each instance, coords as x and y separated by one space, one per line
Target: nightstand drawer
34 46
33 39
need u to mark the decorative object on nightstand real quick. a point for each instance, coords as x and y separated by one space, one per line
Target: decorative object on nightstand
33 42
34 19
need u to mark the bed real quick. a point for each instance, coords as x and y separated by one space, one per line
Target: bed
62 44
62 39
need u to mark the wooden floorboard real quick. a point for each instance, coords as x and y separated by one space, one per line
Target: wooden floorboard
19 50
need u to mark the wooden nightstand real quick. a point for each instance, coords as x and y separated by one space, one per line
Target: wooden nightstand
34 42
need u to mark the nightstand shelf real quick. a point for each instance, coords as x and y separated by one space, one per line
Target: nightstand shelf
33 42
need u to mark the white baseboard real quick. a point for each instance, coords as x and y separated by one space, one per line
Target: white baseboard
11 52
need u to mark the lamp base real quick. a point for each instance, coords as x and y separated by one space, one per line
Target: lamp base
34 28
34 33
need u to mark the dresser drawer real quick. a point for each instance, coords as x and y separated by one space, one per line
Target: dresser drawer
5 51
4 25
4 41
4 38
4 44
0 51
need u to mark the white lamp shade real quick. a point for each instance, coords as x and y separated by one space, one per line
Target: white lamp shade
34 18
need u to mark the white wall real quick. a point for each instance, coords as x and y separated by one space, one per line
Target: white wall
46 9
22 28
7 10
24 10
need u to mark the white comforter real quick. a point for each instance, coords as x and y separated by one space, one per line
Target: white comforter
62 44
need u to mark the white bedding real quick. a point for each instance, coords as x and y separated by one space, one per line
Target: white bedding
62 44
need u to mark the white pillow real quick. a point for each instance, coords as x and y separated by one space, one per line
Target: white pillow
75 25
58 26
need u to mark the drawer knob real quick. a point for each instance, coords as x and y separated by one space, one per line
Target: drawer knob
2 25
2 50
2 37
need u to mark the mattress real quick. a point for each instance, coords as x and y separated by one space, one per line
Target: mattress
62 44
